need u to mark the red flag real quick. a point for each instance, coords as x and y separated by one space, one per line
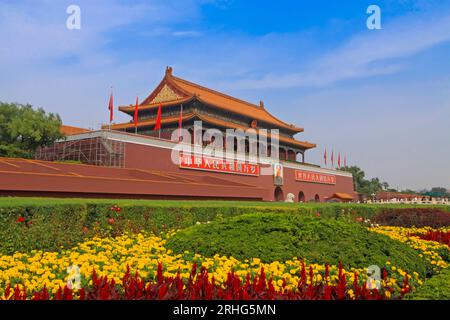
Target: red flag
325 156
136 112
111 108
339 160
332 157
158 119
180 122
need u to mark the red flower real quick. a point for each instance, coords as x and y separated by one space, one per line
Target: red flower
30 223
21 219
85 230
116 208
111 220
201 287
318 214
359 219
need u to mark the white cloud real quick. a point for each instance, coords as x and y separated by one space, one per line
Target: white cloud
36 32
186 33
370 53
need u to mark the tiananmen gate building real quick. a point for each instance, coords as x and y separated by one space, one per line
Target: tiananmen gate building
133 160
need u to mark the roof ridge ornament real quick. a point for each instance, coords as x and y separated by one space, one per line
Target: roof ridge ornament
261 104
169 71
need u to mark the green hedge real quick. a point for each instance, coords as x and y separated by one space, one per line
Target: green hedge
65 222
282 237
56 226
44 227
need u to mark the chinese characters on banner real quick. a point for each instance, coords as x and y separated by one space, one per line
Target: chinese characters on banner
197 162
308 176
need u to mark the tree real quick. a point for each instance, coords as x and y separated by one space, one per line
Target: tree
437 192
362 185
24 129
409 191
358 176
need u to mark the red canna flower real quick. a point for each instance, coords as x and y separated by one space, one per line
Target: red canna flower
21 219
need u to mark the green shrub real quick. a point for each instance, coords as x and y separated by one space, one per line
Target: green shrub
435 288
282 237
65 222
43 227
64 225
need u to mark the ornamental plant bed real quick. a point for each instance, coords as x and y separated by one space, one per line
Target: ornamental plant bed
309 237
435 235
435 288
413 217
200 286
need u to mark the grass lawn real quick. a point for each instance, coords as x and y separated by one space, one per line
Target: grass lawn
32 201
24 201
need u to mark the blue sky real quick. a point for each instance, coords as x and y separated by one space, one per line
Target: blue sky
380 96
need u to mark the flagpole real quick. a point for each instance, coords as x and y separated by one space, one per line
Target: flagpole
110 120
158 122
135 124
180 123
135 118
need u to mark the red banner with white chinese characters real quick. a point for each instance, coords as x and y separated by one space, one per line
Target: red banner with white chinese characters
314 177
198 162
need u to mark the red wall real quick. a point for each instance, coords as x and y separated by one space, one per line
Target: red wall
148 157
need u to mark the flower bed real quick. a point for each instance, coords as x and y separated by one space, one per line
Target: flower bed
414 217
119 264
201 286
47 224
442 236
436 253
111 257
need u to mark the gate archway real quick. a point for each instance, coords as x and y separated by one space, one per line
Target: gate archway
301 196
279 196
